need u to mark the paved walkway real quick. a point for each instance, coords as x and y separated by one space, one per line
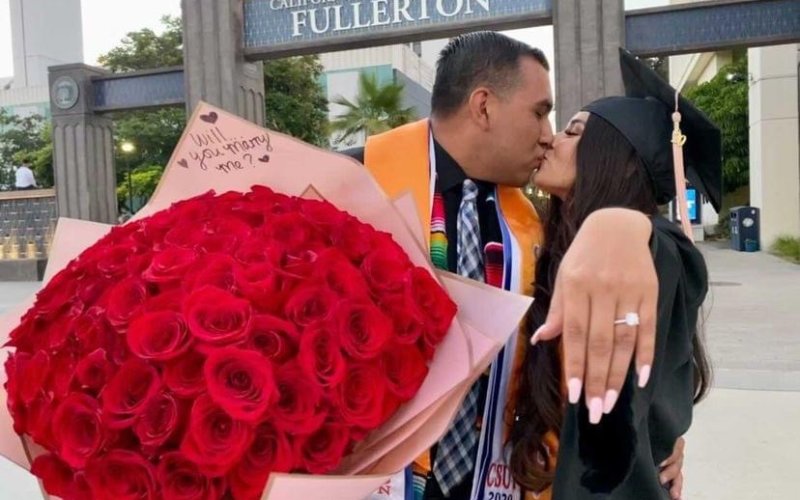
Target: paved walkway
753 325
745 439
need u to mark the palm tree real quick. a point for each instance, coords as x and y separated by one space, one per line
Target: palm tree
377 108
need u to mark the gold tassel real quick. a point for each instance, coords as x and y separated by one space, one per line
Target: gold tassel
678 140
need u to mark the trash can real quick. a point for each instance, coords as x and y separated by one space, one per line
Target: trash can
745 229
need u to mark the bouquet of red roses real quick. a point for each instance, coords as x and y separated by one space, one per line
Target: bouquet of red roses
220 339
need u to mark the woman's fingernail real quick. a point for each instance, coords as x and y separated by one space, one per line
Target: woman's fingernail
662 479
610 401
535 337
574 388
644 376
595 410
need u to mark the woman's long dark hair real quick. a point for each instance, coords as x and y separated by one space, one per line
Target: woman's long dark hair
609 174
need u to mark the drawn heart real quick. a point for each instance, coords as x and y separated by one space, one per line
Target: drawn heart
264 159
183 163
210 118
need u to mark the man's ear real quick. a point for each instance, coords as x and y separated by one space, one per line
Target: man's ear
479 107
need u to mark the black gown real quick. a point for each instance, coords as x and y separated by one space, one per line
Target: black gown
618 458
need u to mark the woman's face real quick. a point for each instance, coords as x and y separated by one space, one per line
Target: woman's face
556 175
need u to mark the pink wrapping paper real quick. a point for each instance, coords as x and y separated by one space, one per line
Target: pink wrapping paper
223 152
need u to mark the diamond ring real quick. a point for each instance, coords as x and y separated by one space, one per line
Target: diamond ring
630 319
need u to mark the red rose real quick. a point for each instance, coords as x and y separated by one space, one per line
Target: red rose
94 371
308 304
321 356
360 396
126 395
240 381
90 291
300 408
252 251
405 370
293 231
214 270
158 420
216 317
182 236
181 480
30 374
262 285
214 440
62 373
38 417
93 331
271 451
335 270
169 265
354 239
24 337
429 296
121 475
170 300
184 376
58 294
363 328
77 429
266 197
322 215
273 337
55 474
297 265
386 266
158 335
322 451
408 320
112 261
124 302
222 234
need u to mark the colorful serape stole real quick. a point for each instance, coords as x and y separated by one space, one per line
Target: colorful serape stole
438 233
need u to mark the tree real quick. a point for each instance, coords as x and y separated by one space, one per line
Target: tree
153 132
724 100
144 49
295 101
377 109
22 140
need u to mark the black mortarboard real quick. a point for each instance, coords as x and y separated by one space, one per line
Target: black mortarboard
644 117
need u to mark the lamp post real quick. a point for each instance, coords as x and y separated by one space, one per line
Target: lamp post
128 148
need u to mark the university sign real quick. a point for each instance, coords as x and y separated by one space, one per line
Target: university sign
278 26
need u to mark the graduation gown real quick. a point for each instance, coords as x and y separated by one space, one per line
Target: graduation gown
618 459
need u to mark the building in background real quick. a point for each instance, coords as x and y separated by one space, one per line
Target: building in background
44 33
411 65
774 135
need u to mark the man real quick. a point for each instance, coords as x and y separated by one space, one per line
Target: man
25 178
488 131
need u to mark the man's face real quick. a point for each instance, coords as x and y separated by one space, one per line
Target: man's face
519 130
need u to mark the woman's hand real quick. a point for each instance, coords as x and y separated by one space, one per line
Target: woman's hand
672 470
607 272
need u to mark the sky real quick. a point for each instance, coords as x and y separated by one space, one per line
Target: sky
106 22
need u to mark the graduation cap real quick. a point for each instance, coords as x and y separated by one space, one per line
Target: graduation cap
645 118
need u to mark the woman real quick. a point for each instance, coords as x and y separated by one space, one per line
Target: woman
617 153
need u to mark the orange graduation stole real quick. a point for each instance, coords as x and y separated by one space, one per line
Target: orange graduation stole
400 162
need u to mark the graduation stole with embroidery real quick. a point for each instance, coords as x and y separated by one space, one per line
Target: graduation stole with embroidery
400 162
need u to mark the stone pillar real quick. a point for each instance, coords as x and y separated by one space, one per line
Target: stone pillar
587 40
83 147
215 69
774 153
